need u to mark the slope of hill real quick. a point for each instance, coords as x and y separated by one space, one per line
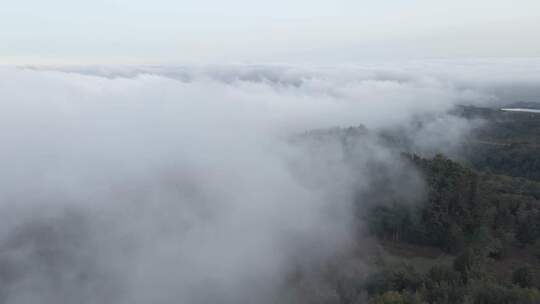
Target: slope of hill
475 235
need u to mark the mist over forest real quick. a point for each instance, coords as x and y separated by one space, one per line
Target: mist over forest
200 184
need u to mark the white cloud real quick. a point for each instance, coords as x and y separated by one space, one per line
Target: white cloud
184 181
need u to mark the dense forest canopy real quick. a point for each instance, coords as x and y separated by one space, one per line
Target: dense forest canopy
475 235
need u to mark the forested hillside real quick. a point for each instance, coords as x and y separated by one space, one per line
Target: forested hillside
474 237
487 224
483 214
508 144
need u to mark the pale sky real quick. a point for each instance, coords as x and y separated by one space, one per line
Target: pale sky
311 31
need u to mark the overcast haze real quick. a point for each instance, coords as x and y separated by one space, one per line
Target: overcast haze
182 184
203 152
185 31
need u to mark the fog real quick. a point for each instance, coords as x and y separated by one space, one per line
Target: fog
188 184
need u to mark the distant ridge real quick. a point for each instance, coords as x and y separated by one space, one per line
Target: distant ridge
523 105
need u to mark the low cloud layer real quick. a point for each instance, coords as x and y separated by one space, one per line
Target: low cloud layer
184 185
